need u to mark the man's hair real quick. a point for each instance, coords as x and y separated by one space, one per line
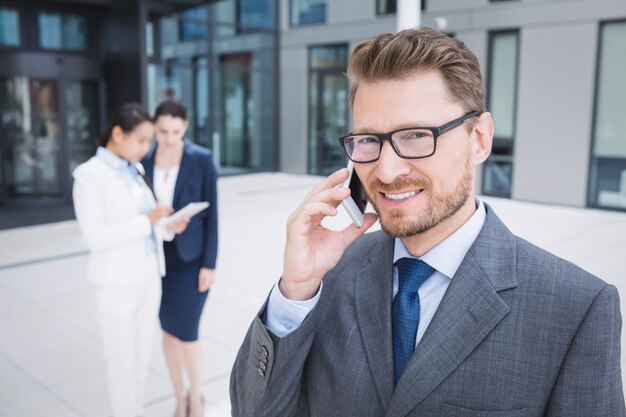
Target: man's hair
395 56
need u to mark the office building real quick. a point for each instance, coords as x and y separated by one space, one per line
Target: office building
265 85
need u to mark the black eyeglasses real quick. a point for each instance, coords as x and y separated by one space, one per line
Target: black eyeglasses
410 143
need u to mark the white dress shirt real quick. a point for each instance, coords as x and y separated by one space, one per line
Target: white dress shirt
284 316
164 184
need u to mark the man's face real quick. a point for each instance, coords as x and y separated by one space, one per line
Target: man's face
412 196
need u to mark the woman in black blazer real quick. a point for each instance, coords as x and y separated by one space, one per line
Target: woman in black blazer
183 172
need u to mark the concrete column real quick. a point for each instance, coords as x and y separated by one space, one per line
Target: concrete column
408 14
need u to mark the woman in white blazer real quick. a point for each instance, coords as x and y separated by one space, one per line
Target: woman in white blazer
119 220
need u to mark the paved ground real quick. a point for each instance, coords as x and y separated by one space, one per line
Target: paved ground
50 355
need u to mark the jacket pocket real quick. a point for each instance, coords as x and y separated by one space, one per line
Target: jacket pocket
450 410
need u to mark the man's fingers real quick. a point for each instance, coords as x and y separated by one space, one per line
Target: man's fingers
307 211
352 231
331 181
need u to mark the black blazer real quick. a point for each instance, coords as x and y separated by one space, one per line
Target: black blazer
197 181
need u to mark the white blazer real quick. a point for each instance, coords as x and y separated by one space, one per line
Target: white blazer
113 227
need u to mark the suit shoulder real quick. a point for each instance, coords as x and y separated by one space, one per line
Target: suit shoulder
368 242
92 168
533 261
199 150
363 247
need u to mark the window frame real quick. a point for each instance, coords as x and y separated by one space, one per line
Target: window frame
502 143
592 200
294 25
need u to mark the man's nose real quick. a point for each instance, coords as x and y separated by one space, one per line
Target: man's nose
390 165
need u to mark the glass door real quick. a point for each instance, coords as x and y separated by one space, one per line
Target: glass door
81 120
328 121
33 159
237 111
30 137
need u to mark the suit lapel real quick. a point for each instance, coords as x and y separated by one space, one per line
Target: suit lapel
469 310
374 284
186 167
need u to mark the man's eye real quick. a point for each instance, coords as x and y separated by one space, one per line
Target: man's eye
414 134
367 140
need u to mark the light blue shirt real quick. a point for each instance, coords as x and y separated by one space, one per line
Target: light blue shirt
284 316
136 185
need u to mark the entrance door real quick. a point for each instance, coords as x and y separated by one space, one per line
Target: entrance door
237 111
30 137
329 120
36 159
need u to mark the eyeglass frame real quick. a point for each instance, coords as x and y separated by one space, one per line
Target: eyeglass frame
436 131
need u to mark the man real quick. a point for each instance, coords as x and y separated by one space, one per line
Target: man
444 312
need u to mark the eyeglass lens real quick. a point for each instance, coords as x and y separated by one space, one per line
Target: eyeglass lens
410 143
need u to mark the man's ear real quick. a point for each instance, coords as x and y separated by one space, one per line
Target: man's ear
117 134
482 138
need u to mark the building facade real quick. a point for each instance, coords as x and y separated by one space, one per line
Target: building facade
266 88
554 72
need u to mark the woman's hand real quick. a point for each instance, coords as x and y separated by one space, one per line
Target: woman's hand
178 226
206 277
159 212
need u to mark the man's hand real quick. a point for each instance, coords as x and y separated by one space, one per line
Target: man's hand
311 249
206 277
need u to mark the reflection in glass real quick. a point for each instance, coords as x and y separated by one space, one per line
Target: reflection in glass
30 136
502 100
82 121
256 15
62 31
608 162
237 104
194 24
9 27
307 11
328 108
201 88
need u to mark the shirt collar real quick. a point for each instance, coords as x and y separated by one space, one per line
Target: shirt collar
113 160
447 256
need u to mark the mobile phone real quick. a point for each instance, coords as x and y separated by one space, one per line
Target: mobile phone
356 202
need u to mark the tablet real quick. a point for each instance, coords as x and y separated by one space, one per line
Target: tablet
189 210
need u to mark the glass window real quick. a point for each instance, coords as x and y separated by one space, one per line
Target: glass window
307 11
193 24
608 161
149 39
389 6
328 107
256 14
62 31
201 122
81 98
501 101
328 57
9 27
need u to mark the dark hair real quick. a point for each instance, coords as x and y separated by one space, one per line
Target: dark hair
127 116
171 107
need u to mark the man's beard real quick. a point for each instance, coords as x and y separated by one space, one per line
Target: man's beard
398 223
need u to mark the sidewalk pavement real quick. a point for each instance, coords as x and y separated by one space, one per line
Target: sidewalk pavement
51 363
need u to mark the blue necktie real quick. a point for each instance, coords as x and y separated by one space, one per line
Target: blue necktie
405 311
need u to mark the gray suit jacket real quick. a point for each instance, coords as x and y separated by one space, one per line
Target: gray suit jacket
519 332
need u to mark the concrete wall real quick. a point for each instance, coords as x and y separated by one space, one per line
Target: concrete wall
554 116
